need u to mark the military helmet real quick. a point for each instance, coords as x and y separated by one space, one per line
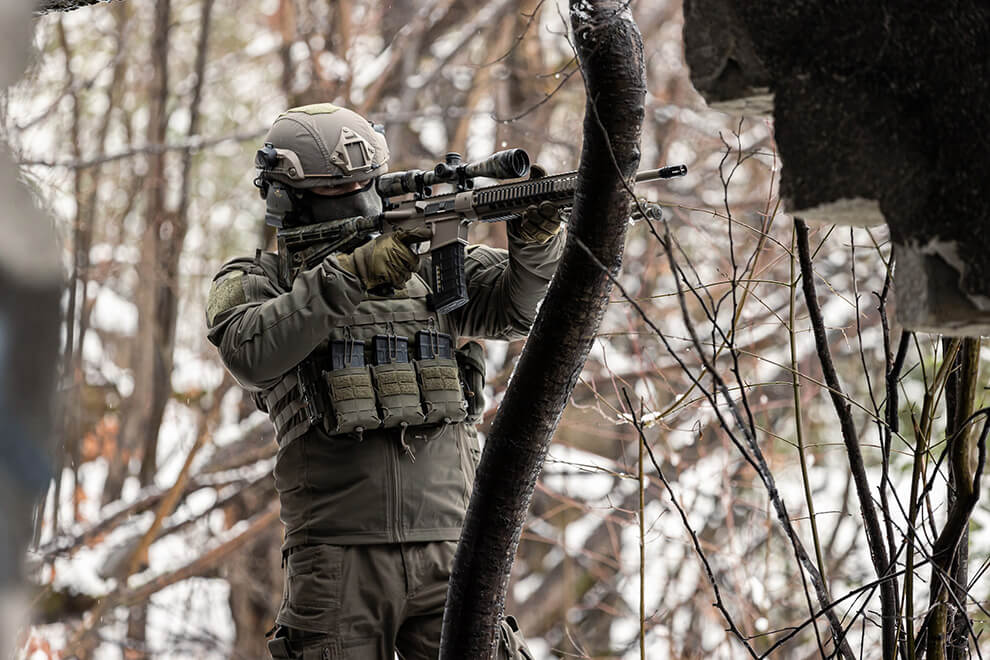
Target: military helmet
321 145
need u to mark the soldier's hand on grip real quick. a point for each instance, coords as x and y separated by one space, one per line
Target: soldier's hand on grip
539 223
387 261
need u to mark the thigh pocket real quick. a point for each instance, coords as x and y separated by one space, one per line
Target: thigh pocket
313 581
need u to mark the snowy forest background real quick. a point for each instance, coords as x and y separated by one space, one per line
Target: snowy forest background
136 127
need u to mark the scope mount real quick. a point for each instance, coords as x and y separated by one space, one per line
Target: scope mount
452 170
422 190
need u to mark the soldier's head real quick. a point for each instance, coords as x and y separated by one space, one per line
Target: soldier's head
319 163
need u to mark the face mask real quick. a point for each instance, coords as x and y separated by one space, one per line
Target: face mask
321 208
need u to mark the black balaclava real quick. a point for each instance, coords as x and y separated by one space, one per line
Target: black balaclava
315 208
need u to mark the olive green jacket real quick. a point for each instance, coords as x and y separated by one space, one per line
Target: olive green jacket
350 489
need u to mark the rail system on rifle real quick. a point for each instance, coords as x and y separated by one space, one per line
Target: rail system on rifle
447 215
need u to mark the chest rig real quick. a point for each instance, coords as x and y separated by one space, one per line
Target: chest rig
389 365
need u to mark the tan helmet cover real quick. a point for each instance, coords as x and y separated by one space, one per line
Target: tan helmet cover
324 145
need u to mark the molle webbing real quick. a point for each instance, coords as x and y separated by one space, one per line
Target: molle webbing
351 385
368 374
285 412
437 378
398 395
381 318
286 385
397 382
288 413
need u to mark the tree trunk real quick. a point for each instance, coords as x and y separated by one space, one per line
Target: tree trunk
152 353
947 634
520 92
611 56
142 413
30 283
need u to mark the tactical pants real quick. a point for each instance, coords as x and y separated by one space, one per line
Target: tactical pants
363 602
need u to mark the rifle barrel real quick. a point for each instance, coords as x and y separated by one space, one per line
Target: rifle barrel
669 172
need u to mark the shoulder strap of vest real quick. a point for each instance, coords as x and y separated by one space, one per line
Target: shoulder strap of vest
267 264
239 264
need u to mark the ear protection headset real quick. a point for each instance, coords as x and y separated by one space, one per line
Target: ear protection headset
278 196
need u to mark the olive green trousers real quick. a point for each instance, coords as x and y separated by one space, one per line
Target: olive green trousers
363 602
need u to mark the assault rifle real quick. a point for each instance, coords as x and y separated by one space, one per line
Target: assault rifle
447 215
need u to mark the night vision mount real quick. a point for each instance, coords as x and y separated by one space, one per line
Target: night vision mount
265 160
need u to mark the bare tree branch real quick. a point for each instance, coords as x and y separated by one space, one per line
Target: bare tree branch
45 6
874 535
189 145
687 526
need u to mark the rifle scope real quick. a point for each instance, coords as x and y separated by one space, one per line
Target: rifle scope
508 164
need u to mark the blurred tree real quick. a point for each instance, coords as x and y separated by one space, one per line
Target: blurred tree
30 285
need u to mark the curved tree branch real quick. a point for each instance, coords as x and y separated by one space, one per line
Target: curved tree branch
610 52
45 6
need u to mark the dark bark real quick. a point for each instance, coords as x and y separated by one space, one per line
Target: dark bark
876 105
611 56
45 6
720 52
874 535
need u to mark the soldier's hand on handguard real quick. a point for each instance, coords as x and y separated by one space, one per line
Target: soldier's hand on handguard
387 260
539 223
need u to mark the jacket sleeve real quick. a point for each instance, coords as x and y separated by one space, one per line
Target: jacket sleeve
505 287
262 332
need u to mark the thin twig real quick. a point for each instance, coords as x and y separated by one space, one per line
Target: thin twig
756 460
799 430
687 525
192 144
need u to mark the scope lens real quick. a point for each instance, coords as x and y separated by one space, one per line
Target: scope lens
519 162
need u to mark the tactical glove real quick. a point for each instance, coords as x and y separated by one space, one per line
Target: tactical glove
511 645
539 223
387 260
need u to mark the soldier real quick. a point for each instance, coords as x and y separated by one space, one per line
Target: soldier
373 408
